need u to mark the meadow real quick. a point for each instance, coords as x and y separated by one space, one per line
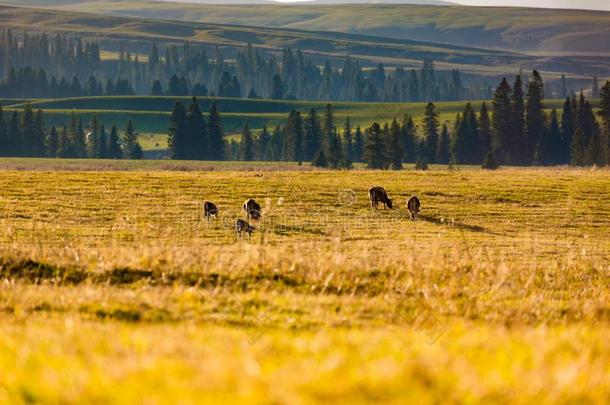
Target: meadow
114 289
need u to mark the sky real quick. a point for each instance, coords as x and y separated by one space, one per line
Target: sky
578 4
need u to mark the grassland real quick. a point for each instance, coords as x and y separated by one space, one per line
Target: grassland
141 32
152 113
491 27
115 290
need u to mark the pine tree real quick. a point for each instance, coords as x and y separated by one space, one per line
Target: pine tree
102 146
534 117
246 144
358 144
395 146
431 125
313 135
502 122
319 159
578 148
484 131
549 145
65 148
216 134
131 146
465 146
93 142
442 150
408 139
196 133
53 143
294 137
80 141
375 148
348 144
490 162
277 88
263 145
518 148
178 133
567 131
38 136
27 131
331 140
604 112
115 151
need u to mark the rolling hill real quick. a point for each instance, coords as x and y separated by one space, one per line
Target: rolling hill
522 29
140 33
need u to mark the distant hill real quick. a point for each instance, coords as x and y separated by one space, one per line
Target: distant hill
522 29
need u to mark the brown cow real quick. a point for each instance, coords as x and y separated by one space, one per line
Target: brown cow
252 209
209 210
242 226
377 195
413 207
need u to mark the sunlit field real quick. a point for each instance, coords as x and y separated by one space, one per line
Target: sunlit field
115 289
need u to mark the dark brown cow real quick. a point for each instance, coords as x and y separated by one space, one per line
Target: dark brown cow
377 195
252 209
242 227
209 210
413 207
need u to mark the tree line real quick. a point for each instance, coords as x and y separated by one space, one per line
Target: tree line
26 135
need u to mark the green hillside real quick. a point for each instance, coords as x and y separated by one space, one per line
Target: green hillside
495 27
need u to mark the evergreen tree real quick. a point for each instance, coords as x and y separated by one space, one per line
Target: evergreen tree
216 134
348 144
65 148
518 147
375 148
331 140
534 116
431 125
490 162
358 144
14 135
408 139
131 146
263 145
102 146
27 131
294 137
178 133
465 147
277 88
319 159
93 143
502 122
567 132
115 151
313 135
53 143
38 136
395 146
247 144
549 146
604 112
578 148
157 88
484 131
442 151
196 133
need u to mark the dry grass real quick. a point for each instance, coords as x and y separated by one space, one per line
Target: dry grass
115 290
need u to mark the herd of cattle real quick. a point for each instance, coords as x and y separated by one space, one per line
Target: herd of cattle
253 209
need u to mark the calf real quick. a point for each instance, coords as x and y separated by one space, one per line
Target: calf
209 210
252 209
413 207
377 195
242 226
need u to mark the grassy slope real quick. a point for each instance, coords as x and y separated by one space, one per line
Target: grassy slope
111 31
509 28
495 295
151 114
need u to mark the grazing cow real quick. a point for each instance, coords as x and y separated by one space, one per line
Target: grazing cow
377 195
209 210
252 209
413 207
242 226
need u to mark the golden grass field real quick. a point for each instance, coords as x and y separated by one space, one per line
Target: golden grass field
114 289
